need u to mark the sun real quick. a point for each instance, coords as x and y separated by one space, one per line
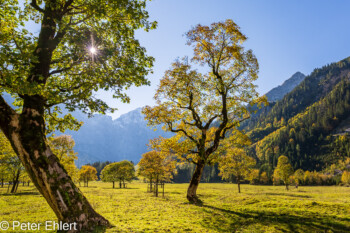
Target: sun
93 50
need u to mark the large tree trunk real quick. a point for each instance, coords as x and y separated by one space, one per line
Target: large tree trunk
196 177
26 132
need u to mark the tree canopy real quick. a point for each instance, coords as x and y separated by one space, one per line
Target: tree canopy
81 47
87 173
236 163
203 108
283 170
120 171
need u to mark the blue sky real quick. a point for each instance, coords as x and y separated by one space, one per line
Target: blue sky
286 37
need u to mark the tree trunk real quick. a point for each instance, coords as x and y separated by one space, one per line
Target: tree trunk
239 185
113 184
120 184
16 186
287 187
196 177
2 183
28 183
156 187
26 132
15 182
150 183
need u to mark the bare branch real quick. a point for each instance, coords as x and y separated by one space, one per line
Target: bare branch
170 125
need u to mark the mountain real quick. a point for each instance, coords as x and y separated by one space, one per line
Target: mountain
279 92
309 124
273 96
104 139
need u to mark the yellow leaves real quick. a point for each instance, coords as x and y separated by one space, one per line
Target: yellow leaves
236 163
87 173
156 164
345 178
283 170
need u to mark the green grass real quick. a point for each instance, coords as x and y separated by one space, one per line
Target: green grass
256 209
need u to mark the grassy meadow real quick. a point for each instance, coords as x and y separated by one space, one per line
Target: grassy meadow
256 209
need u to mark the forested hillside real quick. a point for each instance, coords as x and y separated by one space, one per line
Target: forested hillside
305 124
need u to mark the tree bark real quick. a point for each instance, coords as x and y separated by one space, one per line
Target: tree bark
196 177
26 133
113 184
2 183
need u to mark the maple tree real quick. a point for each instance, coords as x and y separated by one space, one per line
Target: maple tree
87 173
156 167
82 46
236 163
202 109
62 146
120 171
283 170
10 164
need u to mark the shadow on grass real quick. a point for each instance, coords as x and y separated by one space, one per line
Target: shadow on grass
289 195
99 229
119 188
224 220
20 194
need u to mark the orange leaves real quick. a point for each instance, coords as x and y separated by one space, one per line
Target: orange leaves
87 173
157 165
216 43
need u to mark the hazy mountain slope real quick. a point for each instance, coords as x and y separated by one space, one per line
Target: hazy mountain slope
279 92
274 95
102 139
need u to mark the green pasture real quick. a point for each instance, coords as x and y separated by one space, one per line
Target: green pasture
256 209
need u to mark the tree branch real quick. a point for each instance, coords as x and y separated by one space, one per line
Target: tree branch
170 125
6 116
36 7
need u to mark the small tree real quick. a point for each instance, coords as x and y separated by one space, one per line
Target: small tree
298 177
109 173
87 173
283 170
125 171
236 163
10 163
119 171
156 167
345 178
62 146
